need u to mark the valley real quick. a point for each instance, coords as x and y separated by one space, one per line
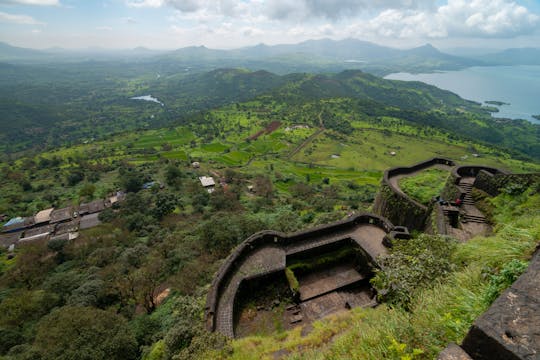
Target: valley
211 159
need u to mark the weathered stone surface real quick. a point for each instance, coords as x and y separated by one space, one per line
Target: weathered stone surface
453 352
510 328
252 259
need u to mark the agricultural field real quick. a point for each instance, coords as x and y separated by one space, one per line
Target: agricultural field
302 149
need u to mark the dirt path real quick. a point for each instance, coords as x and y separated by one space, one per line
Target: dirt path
305 143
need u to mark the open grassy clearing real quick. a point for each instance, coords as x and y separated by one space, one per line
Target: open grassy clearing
425 185
371 149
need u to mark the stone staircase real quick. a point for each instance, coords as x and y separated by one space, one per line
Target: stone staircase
474 218
472 214
468 199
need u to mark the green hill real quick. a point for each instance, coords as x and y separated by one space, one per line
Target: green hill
71 110
295 151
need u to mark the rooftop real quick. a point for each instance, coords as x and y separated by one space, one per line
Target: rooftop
207 181
43 216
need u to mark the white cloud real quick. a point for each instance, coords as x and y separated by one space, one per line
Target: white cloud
476 18
146 3
486 18
32 2
18 19
182 5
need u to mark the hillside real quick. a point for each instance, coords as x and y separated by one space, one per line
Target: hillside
319 56
300 176
73 111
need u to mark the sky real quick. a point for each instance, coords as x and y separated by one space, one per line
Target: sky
225 24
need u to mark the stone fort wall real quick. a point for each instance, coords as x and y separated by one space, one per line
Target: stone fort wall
269 237
398 207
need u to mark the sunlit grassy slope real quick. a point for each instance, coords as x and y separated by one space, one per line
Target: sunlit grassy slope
309 146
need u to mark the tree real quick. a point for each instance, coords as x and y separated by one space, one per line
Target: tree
87 191
173 175
75 177
147 282
84 333
131 179
263 186
164 205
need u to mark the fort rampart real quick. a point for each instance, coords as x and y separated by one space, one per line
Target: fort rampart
392 203
273 238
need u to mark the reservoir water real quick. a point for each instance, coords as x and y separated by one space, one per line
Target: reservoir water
517 85
147 98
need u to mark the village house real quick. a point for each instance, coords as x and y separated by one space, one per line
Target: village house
64 214
92 207
44 216
208 183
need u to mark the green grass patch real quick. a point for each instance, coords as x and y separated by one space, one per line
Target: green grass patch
425 185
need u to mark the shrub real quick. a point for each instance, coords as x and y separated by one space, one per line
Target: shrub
506 277
293 281
412 265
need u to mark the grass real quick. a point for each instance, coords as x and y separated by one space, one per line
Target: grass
424 185
362 155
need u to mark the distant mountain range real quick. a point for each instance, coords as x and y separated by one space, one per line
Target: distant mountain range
309 56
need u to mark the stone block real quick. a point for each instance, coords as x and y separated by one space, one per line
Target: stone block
510 328
453 352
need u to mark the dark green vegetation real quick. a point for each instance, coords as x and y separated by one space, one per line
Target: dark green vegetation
537 117
325 160
51 105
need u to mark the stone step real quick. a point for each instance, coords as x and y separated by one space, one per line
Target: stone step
474 216
475 220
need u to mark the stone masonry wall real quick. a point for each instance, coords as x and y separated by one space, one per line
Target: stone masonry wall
398 207
262 238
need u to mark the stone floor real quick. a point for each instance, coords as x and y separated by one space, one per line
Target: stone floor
336 301
326 280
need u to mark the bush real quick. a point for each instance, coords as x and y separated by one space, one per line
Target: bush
506 277
293 281
412 265
74 332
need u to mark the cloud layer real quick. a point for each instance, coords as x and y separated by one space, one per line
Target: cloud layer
18 19
381 18
32 2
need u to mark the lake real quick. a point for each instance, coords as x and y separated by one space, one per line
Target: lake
517 85
147 98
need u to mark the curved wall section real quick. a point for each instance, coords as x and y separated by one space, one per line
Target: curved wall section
268 251
392 203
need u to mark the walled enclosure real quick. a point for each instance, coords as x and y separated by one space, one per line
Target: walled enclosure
488 176
265 253
392 203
